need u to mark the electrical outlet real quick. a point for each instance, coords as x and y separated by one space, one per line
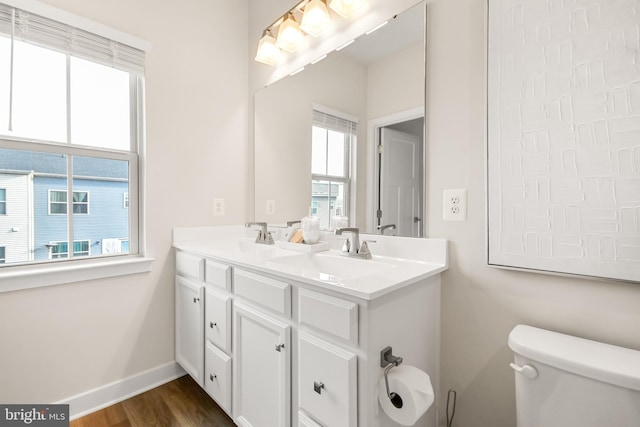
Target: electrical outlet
271 207
218 207
454 205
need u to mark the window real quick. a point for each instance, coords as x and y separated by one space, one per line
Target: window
3 255
61 249
332 139
70 130
58 202
3 201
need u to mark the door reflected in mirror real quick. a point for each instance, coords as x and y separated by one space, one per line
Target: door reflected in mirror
345 137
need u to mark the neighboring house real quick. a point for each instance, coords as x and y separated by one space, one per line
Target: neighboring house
323 201
16 212
100 206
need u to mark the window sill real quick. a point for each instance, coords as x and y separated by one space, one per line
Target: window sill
36 276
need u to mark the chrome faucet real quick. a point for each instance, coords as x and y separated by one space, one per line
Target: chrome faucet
384 227
264 236
355 249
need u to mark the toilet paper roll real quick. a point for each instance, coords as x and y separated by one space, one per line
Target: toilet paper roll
414 388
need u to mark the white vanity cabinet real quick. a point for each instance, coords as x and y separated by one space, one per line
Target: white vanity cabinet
276 351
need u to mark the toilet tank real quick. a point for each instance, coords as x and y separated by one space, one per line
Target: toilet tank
565 381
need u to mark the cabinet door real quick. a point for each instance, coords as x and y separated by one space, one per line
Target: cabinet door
261 369
190 327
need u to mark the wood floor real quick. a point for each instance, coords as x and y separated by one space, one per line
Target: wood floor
178 403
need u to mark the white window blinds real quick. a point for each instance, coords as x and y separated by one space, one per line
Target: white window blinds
39 30
334 123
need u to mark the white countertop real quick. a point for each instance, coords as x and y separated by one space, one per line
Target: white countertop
397 261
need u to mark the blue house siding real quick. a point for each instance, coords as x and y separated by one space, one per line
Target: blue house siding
105 180
107 218
46 228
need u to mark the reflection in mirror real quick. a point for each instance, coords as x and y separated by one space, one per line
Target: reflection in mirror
345 136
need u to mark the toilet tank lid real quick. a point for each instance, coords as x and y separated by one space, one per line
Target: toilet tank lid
603 362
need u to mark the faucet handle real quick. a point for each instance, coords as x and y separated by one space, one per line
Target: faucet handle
364 249
346 247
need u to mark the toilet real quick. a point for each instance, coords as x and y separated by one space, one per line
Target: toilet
565 381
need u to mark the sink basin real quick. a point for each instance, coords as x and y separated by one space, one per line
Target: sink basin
330 266
244 249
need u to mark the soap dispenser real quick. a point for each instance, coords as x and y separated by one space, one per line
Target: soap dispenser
310 228
339 221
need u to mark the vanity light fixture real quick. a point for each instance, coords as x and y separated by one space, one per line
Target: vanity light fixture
316 20
268 52
289 35
346 8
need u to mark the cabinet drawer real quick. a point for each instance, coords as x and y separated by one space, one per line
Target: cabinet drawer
218 275
305 421
327 382
266 292
217 318
189 265
217 381
336 316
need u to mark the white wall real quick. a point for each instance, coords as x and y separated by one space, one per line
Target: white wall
395 83
63 340
481 304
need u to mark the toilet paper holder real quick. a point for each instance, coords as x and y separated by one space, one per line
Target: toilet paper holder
388 361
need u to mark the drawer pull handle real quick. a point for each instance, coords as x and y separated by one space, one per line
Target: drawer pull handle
211 324
212 377
196 299
317 387
279 347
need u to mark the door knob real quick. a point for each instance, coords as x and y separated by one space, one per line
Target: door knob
211 324
196 299
212 377
279 347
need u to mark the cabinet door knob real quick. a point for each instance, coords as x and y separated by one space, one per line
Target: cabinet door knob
212 377
211 324
196 299
317 387
279 347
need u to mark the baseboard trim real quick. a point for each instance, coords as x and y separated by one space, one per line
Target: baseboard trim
117 391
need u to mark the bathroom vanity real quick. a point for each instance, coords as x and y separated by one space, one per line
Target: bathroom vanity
283 338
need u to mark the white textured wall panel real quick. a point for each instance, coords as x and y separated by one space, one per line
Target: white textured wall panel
564 136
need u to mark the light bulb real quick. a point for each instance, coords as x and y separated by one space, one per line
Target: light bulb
289 35
346 8
268 53
315 20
